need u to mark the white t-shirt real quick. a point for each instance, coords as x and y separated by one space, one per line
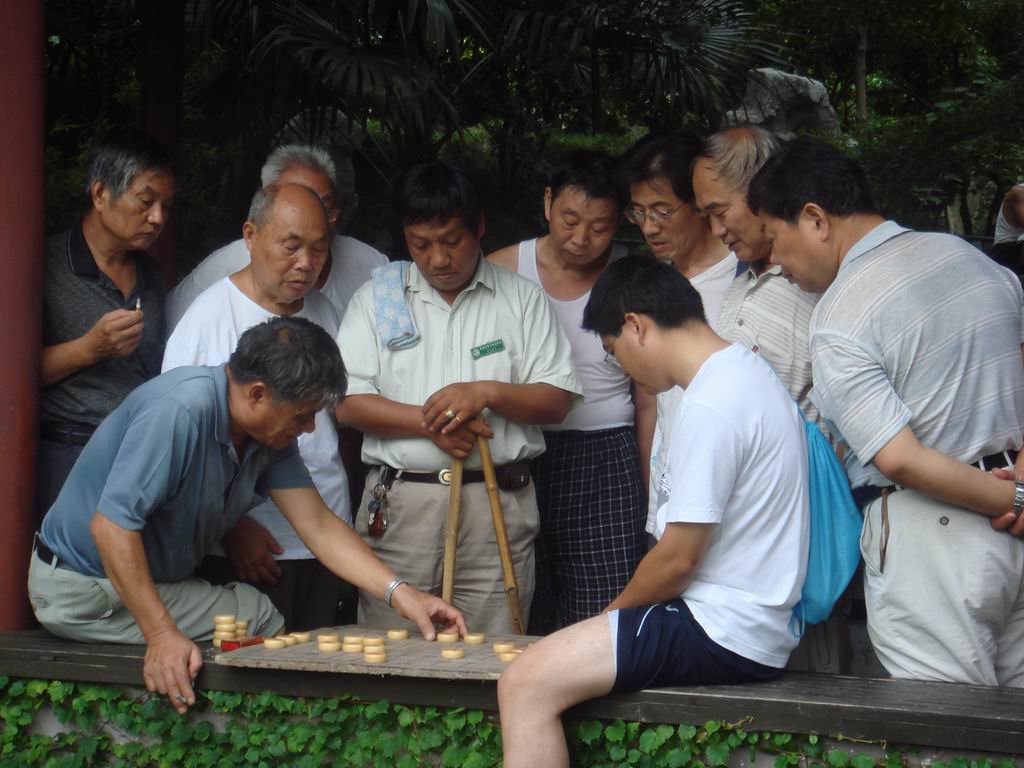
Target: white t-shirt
352 262
207 335
607 400
712 285
738 460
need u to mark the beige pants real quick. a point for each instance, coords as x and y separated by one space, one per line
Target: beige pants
88 609
947 602
413 545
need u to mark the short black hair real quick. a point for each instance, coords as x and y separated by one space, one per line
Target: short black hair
596 174
436 191
297 361
664 156
643 285
121 156
807 170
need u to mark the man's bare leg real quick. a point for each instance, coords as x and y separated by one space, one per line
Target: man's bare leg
561 670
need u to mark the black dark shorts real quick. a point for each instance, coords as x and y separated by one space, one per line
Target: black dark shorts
663 645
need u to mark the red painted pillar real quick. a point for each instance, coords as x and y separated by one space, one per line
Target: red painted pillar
21 253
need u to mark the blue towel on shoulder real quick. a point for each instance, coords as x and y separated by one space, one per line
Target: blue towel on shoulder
395 325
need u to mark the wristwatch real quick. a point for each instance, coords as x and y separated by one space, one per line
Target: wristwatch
1018 498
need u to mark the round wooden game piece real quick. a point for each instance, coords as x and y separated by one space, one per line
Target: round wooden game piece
452 653
224 618
328 638
274 643
507 657
216 642
352 639
447 637
327 647
375 658
241 627
503 647
373 642
289 641
224 636
224 628
301 637
352 647
398 634
475 638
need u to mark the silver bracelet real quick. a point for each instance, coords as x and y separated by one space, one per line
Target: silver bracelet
389 591
1018 498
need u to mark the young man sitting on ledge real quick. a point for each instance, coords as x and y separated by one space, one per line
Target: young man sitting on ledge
711 603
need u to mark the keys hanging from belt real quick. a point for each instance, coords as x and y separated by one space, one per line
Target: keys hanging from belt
377 507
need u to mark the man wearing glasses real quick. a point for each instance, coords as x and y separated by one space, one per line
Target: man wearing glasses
349 261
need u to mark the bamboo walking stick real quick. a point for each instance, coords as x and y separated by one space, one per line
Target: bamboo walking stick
504 551
451 533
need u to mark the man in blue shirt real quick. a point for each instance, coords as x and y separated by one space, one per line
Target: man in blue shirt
174 466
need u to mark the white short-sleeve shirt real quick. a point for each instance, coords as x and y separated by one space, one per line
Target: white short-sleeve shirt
740 463
207 335
500 327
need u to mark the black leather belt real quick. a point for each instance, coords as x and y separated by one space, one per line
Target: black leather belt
868 493
45 553
68 434
510 477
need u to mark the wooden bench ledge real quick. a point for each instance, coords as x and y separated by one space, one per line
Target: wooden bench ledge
943 715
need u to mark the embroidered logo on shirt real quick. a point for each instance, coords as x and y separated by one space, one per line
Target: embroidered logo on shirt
488 349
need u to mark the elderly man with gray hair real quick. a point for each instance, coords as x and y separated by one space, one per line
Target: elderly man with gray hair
761 310
175 465
286 236
102 301
349 261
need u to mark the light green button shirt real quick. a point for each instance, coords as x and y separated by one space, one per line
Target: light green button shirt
505 318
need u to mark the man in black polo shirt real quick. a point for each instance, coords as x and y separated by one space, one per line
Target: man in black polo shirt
102 306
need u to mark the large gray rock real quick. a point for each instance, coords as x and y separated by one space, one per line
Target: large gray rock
784 103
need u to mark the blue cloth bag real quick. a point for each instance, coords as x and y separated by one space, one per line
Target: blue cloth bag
836 523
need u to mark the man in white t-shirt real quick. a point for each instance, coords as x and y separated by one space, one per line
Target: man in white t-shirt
590 490
349 261
711 603
287 236
1008 238
662 204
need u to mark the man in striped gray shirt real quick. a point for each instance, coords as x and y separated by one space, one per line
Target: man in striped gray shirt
916 355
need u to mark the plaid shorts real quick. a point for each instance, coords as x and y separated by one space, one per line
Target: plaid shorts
592 507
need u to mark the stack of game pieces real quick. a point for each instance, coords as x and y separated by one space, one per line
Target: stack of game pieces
374 651
506 651
328 643
225 627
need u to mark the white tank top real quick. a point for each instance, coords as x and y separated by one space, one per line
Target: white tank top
606 400
1005 233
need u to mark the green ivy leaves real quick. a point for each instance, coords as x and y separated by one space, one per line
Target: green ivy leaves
107 726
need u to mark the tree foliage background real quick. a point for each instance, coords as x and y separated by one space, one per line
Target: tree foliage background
500 86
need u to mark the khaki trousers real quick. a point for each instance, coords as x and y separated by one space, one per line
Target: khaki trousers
946 602
413 545
88 609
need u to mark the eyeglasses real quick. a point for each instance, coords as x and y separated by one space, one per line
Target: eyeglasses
656 215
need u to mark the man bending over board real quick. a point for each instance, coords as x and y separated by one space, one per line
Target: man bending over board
711 603
167 473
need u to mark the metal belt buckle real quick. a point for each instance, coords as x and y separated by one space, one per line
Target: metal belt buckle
444 477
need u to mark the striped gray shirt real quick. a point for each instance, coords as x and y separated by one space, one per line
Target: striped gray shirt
771 316
919 329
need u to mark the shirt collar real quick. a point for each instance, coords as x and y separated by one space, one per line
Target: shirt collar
747 268
887 230
222 430
484 276
82 263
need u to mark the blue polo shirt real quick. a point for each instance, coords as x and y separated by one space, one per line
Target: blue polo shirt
163 463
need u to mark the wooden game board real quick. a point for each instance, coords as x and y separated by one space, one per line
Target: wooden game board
414 657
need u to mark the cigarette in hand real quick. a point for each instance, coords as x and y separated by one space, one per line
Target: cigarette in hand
138 304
